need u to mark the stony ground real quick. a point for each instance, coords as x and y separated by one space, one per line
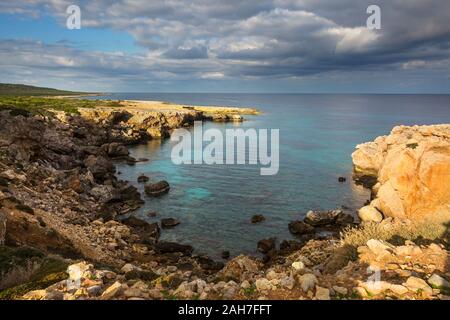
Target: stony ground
381 271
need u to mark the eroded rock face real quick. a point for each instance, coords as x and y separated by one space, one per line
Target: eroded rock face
412 168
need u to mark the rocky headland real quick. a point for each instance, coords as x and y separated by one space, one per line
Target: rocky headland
67 229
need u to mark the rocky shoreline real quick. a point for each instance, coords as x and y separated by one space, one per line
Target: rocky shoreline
60 197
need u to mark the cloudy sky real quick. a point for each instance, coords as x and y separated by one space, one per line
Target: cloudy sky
228 46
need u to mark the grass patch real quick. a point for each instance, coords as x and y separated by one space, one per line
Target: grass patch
168 296
26 106
51 272
17 257
250 290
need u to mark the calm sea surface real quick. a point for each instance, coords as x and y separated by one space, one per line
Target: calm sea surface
318 133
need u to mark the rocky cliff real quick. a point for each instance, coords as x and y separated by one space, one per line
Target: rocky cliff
410 169
59 193
137 120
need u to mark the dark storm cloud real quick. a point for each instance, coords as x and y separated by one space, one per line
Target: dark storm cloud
235 38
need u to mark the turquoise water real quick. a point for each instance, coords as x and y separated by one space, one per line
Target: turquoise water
318 133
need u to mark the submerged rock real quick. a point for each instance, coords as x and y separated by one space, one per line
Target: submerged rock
143 178
157 189
169 223
257 218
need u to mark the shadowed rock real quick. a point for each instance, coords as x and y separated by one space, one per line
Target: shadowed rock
171 247
157 189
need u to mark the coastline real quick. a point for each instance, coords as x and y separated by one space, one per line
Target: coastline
130 246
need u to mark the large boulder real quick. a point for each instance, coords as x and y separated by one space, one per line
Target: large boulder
412 167
370 214
149 232
266 245
116 150
328 218
300 227
241 268
100 167
105 193
157 189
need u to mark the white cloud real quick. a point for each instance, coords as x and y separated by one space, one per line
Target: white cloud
215 39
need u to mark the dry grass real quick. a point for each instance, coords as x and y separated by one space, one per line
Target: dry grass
430 229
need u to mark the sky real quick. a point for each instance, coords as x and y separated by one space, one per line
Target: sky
263 46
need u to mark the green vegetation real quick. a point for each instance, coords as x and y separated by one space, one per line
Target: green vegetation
250 290
27 106
168 296
7 89
51 270
16 257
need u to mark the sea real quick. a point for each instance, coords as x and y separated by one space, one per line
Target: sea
317 135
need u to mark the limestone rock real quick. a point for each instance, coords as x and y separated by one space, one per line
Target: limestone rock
409 165
369 214
416 284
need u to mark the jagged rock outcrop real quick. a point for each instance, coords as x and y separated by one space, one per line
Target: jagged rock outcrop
412 170
135 121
